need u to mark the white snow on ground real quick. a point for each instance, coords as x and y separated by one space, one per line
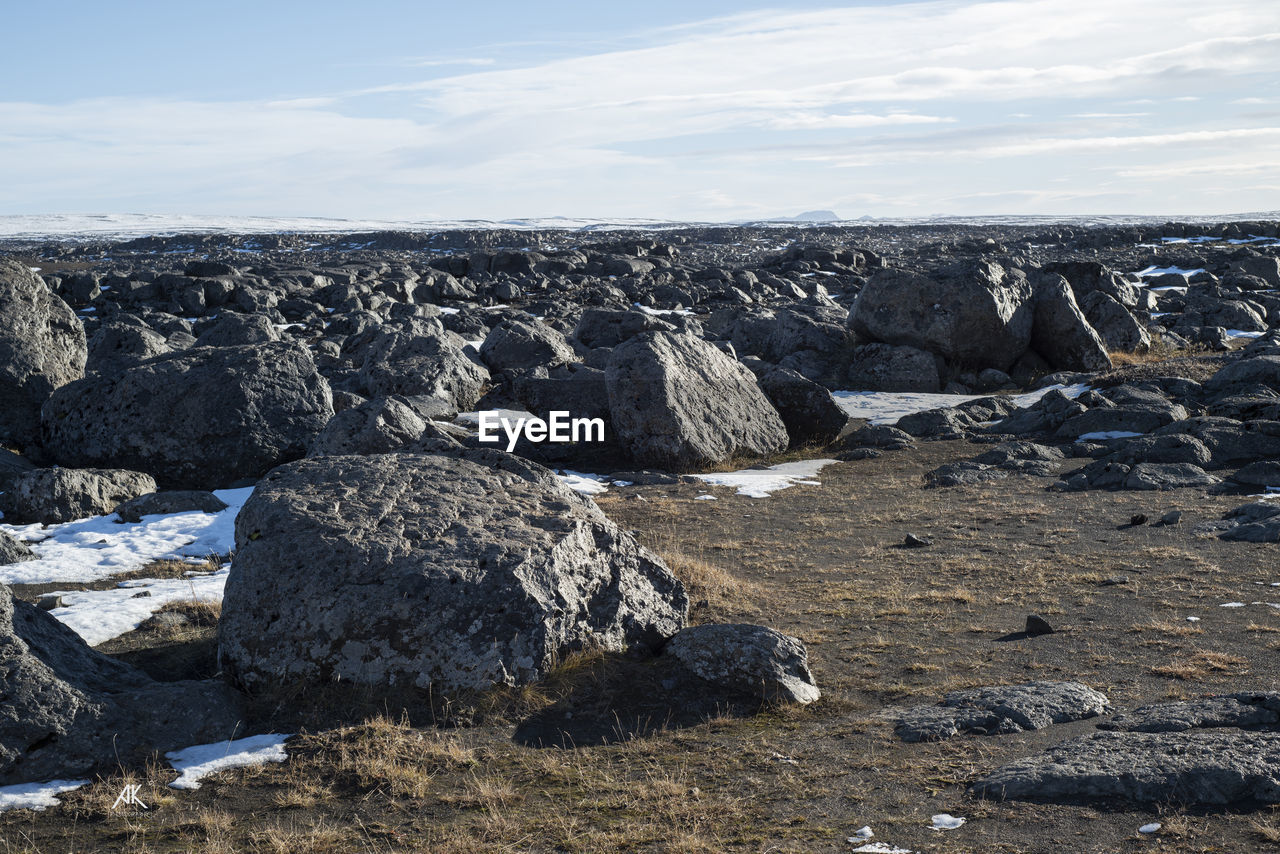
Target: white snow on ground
946 821
1149 828
881 848
1107 434
100 615
705 498
1231 605
444 309
1240 333
659 312
587 484
759 483
886 407
100 546
1162 271
1181 289
195 763
36 796
862 834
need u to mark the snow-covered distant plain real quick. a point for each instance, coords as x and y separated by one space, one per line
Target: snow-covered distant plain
129 225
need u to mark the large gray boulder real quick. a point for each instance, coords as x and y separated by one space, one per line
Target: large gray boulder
197 419
1119 329
677 402
514 345
601 327
886 367
976 314
232 329
748 659
423 358
121 343
808 410
50 496
1059 331
376 426
1199 766
446 571
1090 277
69 710
42 347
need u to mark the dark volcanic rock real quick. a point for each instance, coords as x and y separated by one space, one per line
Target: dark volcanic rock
1002 709
963 474
1059 331
375 426
1229 710
676 401
196 419
974 313
13 551
50 496
122 343
1210 767
748 659
452 572
514 345
69 710
889 367
807 409
161 503
423 359
42 347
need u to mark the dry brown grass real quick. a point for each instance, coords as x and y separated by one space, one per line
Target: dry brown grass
1268 831
386 755
1201 665
170 569
704 581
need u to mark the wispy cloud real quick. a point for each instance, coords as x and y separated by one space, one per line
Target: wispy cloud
752 113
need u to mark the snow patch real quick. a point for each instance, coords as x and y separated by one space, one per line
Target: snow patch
1106 434
100 615
587 484
886 407
101 546
195 763
36 796
760 483
946 821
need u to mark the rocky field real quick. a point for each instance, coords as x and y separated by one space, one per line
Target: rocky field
934 538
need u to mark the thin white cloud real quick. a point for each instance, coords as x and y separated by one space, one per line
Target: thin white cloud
441 63
764 111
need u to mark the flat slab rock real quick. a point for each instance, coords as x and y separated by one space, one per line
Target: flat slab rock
1002 709
1228 710
1200 766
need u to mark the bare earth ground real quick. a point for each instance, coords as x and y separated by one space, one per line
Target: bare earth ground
886 627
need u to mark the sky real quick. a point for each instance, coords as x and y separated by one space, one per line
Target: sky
705 111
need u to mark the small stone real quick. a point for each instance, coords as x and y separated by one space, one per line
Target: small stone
914 542
49 601
1173 517
1149 828
1038 625
1138 519
1116 579
145 594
